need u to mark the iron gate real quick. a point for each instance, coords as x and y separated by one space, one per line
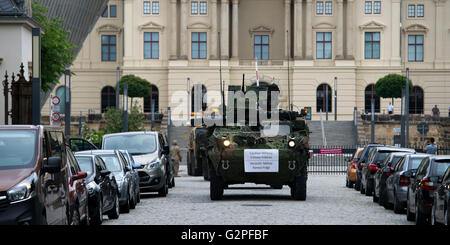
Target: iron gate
330 159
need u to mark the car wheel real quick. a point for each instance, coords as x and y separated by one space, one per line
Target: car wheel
115 212
368 189
346 182
133 201
382 197
126 208
350 184
398 208
138 195
216 185
173 182
433 215
164 190
75 220
98 218
357 184
409 215
86 220
420 217
299 186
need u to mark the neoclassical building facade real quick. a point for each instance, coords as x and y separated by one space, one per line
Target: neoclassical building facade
301 45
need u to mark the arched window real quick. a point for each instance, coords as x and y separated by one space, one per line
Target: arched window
321 100
152 98
61 107
108 98
370 94
198 88
416 101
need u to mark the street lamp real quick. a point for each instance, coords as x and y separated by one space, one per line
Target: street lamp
335 98
36 76
188 97
125 107
67 77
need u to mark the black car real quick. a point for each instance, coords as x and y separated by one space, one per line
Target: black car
362 159
134 174
102 188
384 171
371 166
441 200
422 184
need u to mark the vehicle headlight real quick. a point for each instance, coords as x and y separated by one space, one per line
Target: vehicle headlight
154 164
91 187
24 190
291 143
226 142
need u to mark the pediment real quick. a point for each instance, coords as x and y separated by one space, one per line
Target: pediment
109 28
151 26
198 25
324 25
261 29
416 28
372 25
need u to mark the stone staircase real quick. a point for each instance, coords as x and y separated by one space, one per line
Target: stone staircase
336 132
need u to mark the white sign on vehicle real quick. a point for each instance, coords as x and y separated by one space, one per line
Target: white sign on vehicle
261 160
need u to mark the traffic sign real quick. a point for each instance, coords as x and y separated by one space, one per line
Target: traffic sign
55 100
423 128
56 116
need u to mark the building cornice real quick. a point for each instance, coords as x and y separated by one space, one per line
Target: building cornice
109 28
372 25
151 26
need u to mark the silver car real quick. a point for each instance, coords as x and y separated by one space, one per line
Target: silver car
151 151
397 183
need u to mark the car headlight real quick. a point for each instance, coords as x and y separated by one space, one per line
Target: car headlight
24 190
226 142
291 143
91 187
154 164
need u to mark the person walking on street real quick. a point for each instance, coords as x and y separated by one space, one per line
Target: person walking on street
390 108
175 154
429 147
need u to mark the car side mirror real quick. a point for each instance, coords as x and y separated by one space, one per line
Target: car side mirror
137 166
127 169
80 175
104 173
54 165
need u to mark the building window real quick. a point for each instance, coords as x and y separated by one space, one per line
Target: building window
420 10
370 94
328 7
377 7
203 8
155 7
108 98
146 7
113 11
105 12
153 98
198 45
319 7
321 100
416 101
261 47
323 45
411 11
372 45
194 7
368 7
108 48
415 48
151 45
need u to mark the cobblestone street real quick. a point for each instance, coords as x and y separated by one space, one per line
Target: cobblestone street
328 202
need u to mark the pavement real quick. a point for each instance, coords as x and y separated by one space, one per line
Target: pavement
328 202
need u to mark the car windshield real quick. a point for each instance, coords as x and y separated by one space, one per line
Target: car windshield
17 148
112 162
85 165
440 167
395 160
414 162
380 156
135 144
275 130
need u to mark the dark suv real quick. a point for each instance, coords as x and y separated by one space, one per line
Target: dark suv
362 159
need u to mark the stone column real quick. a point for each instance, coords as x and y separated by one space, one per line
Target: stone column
287 27
224 30
214 30
235 30
173 31
350 26
308 33
441 29
298 24
128 28
395 9
183 30
340 30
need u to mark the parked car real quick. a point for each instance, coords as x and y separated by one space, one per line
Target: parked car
363 158
441 199
33 182
79 144
102 188
78 211
152 152
134 174
394 195
370 167
116 163
351 169
384 171
422 184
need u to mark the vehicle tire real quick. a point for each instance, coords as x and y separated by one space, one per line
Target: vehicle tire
446 217
216 185
374 197
205 169
126 208
98 218
382 197
164 190
173 182
357 184
133 202
346 183
368 189
114 212
361 189
419 216
398 208
409 216
138 195
350 184
75 220
299 186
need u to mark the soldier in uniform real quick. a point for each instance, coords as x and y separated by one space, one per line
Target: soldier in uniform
176 157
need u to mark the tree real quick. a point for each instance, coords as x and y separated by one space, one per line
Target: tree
391 85
56 50
114 120
137 87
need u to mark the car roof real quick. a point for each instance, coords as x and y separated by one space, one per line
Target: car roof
95 152
130 133
439 157
394 149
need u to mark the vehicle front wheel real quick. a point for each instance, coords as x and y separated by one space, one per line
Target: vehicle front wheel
164 190
398 207
409 215
114 212
216 185
75 217
298 189
350 184
420 217
357 184
126 207
446 217
98 218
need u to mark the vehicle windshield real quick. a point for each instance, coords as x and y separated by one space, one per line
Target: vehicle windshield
112 162
440 167
380 156
17 148
135 144
414 162
395 160
275 130
85 165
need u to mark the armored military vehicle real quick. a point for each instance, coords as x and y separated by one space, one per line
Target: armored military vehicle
197 164
271 154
